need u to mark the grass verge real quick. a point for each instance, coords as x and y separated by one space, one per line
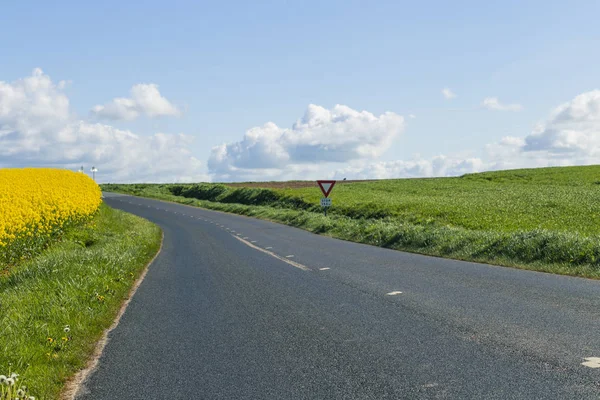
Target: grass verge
567 253
55 306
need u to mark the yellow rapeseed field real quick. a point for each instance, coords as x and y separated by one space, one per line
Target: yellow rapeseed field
37 202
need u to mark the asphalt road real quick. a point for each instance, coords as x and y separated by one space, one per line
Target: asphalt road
239 308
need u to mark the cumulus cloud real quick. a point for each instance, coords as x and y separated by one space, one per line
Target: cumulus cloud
448 94
145 100
37 128
573 129
569 136
418 168
338 135
492 103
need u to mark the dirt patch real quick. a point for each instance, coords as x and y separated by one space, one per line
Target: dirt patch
288 184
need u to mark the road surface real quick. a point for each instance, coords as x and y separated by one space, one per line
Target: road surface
239 308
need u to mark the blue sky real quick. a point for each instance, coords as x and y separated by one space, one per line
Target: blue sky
232 66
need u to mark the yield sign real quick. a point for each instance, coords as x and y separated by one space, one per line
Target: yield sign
326 187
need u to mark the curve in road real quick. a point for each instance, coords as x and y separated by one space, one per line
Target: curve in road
240 308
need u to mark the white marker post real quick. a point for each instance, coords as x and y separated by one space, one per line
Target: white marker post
326 187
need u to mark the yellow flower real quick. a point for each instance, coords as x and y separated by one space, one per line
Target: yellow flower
37 202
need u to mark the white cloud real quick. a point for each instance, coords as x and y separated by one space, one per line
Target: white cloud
573 129
337 135
145 100
38 129
412 116
436 166
492 103
448 94
570 136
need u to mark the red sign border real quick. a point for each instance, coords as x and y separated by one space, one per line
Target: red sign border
326 193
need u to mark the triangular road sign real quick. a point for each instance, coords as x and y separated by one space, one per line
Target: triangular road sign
326 187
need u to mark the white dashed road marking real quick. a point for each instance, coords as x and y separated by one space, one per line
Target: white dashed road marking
292 263
290 256
268 247
324 269
393 293
592 362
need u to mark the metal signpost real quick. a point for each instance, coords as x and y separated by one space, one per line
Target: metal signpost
326 187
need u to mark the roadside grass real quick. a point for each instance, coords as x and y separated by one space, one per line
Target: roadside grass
55 306
545 219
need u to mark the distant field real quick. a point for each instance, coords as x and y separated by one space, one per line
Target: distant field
557 199
561 199
553 212
287 184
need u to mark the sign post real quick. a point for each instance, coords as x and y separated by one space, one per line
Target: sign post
326 187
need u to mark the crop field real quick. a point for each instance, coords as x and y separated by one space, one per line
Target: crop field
36 204
546 219
557 199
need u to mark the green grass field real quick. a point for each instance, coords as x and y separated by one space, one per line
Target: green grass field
556 199
56 305
545 219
